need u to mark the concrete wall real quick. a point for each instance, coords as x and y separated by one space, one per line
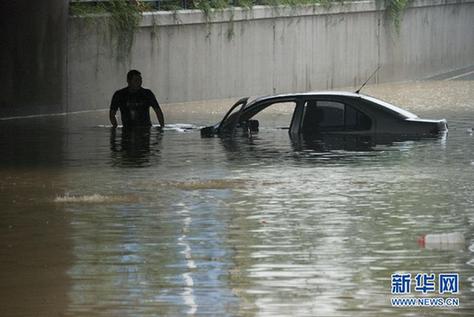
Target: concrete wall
33 56
267 50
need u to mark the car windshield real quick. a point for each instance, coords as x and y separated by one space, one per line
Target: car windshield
403 113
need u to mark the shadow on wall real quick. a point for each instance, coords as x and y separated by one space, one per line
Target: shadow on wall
33 57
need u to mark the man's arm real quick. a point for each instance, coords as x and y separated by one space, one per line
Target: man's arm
113 110
112 117
159 115
156 107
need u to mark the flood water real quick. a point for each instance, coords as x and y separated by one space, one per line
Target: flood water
97 223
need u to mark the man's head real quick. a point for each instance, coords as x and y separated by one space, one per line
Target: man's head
134 79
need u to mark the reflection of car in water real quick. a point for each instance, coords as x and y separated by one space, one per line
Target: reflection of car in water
328 148
319 113
357 142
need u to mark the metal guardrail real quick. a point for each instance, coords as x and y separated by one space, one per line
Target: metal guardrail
108 0
182 4
153 3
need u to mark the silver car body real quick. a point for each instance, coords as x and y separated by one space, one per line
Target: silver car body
332 112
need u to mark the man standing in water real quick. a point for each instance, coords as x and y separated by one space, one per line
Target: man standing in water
134 103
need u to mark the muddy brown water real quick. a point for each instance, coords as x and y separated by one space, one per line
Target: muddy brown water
96 223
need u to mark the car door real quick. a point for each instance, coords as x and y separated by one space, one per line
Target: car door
296 120
232 117
336 115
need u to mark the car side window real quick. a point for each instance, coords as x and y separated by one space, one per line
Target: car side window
324 115
332 114
356 120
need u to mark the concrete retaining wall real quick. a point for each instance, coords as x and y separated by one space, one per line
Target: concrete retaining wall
185 56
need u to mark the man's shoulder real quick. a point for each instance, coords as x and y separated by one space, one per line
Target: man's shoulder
121 91
146 91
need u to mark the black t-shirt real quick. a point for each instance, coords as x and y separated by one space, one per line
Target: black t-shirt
134 106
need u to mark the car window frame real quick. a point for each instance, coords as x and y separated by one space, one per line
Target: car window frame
264 104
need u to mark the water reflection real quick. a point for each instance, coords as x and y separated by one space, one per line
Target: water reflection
32 143
355 142
273 145
327 143
135 147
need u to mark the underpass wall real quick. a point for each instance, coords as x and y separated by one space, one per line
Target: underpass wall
188 55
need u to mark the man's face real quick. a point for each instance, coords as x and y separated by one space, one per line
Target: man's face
135 82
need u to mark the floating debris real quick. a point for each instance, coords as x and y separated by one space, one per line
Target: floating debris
181 127
442 241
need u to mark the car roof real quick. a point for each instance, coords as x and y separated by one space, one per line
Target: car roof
311 93
402 112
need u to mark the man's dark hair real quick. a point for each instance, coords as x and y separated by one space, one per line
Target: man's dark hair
132 73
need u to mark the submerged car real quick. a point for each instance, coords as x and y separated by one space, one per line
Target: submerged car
335 112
